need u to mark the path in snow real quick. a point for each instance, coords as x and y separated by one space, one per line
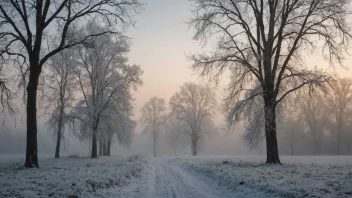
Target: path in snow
167 179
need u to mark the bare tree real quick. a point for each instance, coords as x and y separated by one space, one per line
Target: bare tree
36 30
262 43
173 140
105 80
175 134
115 127
339 102
314 115
58 94
154 118
193 106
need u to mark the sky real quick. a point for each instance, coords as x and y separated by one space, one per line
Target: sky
161 41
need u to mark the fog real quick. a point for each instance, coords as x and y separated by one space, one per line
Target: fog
13 139
175 98
161 42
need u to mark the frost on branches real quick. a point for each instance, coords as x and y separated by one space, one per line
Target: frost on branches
154 118
192 108
106 83
262 44
57 92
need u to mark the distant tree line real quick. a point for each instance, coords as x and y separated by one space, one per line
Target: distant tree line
188 121
318 123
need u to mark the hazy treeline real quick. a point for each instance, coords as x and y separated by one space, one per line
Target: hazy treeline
309 123
318 123
188 121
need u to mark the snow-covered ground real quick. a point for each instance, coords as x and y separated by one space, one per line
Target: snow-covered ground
81 177
304 176
218 176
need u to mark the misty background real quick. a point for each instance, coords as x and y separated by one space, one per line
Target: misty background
162 23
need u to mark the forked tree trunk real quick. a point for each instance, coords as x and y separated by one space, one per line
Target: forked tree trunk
31 146
94 144
272 151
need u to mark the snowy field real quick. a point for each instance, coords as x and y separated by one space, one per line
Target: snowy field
69 177
299 176
218 176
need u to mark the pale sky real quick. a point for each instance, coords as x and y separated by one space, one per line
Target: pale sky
161 41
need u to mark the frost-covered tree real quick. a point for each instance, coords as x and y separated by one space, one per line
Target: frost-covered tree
174 135
115 127
193 107
6 95
339 103
153 118
106 83
58 94
32 31
262 43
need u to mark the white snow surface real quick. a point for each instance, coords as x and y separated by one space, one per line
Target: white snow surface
69 177
199 177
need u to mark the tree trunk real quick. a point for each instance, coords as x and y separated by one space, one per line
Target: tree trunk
100 148
94 144
109 148
31 147
104 148
154 147
58 141
194 147
59 131
272 151
339 129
